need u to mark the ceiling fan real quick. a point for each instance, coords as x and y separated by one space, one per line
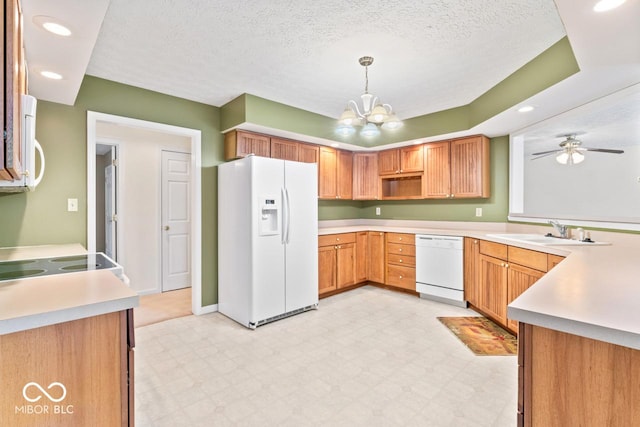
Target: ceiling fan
571 151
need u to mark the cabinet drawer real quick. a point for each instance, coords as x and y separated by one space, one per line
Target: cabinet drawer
492 249
396 248
528 258
336 239
409 261
401 276
407 239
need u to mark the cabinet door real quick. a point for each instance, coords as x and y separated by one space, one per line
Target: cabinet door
345 175
470 167
437 176
411 159
376 256
250 143
520 278
388 162
308 153
401 276
492 296
362 256
365 176
283 149
327 173
471 255
326 269
346 269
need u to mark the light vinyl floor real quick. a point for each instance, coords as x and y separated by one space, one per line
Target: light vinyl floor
367 357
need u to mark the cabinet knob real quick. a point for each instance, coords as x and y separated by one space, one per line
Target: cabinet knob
400 250
400 261
400 277
453 195
337 239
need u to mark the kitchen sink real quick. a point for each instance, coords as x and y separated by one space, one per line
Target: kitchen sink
538 239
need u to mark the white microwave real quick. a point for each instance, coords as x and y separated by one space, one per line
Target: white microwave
29 146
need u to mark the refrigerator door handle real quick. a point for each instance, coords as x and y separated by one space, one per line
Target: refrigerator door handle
288 215
283 229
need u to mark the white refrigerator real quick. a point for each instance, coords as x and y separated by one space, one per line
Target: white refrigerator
267 239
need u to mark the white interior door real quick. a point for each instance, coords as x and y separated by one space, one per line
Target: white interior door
176 220
110 207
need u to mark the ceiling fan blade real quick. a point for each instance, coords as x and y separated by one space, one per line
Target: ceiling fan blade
604 150
546 152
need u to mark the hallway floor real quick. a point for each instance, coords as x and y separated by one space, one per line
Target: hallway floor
367 357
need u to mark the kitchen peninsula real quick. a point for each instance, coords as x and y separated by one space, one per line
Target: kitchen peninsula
66 344
579 352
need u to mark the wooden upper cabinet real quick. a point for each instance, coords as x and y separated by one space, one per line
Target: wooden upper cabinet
308 153
365 176
388 162
437 179
457 168
335 179
401 160
345 174
327 173
284 149
470 173
238 143
14 84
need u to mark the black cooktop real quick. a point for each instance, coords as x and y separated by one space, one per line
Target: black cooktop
24 268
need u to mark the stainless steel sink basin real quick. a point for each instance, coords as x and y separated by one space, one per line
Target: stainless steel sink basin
538 239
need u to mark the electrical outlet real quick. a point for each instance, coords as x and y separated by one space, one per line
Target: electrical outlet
377 211
72 205
478 211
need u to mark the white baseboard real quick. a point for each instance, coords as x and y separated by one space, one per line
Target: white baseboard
206 309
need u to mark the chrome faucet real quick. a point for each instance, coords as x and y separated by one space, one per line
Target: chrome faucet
562 229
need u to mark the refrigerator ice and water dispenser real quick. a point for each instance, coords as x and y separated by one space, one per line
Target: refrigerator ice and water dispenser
269 213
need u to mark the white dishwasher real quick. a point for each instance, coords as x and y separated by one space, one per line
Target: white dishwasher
439 268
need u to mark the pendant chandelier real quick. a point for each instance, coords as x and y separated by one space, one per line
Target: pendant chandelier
373 115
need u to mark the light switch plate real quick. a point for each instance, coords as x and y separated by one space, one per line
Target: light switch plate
478 211
377 211
72 205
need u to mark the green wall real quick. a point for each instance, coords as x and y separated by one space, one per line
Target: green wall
41 217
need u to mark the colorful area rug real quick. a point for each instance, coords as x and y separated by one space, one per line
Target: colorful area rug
482 336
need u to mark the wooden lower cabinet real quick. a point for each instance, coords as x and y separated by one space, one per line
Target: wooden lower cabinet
362 256
88 361
496 274
471 260
569 380
492 290
401 260
336 262
520 278
376 256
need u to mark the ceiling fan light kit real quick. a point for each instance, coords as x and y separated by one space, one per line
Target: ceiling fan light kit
571 151
374 113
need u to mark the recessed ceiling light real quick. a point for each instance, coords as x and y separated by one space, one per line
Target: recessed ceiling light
51 75
605 5
525 108
52 25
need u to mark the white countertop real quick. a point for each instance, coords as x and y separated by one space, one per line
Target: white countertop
46 300
594 292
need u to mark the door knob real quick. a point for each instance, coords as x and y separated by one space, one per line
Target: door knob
166 228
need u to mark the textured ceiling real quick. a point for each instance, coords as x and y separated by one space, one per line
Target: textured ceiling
429 55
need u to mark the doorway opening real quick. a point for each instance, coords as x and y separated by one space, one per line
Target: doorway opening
132 259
